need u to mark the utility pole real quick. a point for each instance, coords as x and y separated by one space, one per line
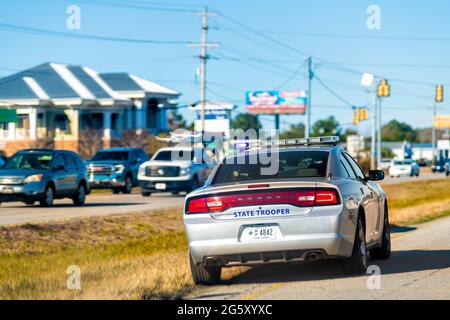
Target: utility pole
374 126
308 107
204 57
379 135
433 132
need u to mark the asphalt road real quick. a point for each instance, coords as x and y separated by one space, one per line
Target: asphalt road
418 269
423 176
96 205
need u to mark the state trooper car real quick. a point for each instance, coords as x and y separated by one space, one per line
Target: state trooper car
319 204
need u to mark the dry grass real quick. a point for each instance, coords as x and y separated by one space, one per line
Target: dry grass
142 256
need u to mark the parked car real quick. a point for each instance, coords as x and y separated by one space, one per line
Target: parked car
385 164
115 168
318 205
175 169
43 175
404 168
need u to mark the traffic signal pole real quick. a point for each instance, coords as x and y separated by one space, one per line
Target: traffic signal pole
433 132
379 135
308 108
374 127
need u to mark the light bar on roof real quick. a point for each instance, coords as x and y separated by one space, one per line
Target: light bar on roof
303 141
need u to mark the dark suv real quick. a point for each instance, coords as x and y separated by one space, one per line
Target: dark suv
115 168
43 175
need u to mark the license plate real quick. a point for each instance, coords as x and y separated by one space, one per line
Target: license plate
8 190
160 186
259 233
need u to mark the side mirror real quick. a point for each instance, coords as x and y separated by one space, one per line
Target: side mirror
376 175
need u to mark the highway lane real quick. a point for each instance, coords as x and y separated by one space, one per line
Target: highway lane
96 205
419 269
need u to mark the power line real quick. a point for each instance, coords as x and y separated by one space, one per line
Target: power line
332 91
30 30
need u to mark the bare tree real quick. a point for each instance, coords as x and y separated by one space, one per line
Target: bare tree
139 139
89 142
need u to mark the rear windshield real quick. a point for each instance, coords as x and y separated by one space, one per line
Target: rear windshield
291 165
111 155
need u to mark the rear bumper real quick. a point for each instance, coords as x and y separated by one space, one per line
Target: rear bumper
326 232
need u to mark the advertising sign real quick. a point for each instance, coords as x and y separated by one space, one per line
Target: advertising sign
276 102
442 122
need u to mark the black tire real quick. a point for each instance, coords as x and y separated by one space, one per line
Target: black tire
195 184
128 185
116 190
146 194
384 252
80 197
29 202
175 193
48 197
357 263
201 275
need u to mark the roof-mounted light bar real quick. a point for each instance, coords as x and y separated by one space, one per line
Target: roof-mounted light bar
303 141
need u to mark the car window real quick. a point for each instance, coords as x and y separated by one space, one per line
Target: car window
178 155
358 171
29 161
59 161
347 167
111 155
291 165
71 164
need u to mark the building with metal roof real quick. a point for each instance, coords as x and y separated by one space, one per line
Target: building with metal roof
61 101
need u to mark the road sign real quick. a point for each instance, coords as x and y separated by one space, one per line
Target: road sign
442 122
276 102
8 115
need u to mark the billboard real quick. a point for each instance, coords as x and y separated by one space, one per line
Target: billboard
276 102
442 122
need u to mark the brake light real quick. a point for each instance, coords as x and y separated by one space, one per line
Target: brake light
326 198
198 206
302 198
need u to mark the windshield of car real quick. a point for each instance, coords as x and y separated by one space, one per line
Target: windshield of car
173 155
111 155
403 162
291 165
29 161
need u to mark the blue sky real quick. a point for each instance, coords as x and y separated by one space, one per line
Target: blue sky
412 46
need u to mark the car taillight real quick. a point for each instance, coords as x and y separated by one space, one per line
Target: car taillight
302 198
326 198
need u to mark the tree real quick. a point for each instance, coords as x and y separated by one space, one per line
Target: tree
246 121
176 120
398 131
294 131
326 127
348 132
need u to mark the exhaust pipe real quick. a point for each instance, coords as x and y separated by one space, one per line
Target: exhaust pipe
313 256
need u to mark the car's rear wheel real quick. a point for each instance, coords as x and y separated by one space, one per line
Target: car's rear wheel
80 198
116 190
384 252
48 197
357 263
204 275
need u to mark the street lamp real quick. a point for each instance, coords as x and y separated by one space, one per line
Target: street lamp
368 80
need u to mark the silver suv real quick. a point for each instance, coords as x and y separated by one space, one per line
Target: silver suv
318 205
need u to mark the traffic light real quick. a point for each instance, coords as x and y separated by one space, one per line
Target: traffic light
439 93
384 89
360 114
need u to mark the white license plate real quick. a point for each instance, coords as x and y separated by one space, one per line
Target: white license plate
259 233
160 186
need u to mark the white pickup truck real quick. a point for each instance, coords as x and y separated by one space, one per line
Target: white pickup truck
175 170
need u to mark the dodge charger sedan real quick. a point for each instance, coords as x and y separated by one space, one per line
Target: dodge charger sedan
318 204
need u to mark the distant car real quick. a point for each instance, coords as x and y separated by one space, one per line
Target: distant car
163 173
115 168
43 175
438 167
404 168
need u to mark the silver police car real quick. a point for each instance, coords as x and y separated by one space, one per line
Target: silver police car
318 204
